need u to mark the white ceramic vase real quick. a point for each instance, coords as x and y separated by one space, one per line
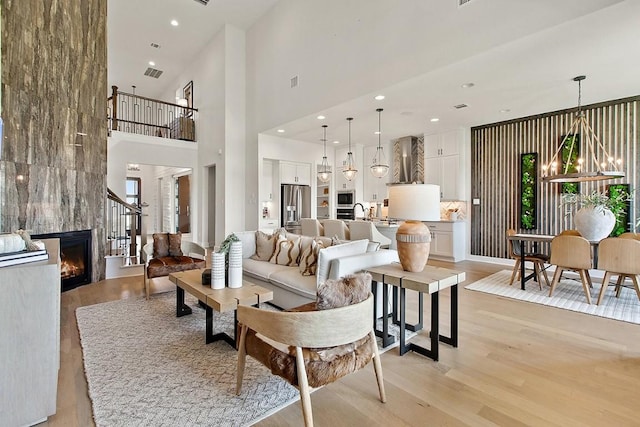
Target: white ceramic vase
594 223
217 270
235 265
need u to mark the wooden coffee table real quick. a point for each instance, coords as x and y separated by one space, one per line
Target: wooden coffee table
221 300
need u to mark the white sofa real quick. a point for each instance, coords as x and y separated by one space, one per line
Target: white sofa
290 288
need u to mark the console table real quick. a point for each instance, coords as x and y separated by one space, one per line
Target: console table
431 281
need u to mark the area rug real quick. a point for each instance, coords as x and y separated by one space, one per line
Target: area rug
146 367
567 295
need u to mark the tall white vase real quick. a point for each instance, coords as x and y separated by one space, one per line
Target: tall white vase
235 265
595 223
217 270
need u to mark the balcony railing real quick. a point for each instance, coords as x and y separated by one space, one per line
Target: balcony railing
122 228
131 113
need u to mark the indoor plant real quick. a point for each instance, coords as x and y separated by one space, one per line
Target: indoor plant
597 212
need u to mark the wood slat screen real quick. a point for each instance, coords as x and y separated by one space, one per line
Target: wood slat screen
495 163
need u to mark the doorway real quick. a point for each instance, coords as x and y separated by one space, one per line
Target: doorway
183 198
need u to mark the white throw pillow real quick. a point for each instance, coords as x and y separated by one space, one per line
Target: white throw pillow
326 255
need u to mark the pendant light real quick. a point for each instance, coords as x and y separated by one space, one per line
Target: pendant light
587 167
350 170
324 173
379 168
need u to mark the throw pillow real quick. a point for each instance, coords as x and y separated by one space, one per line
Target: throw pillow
265 246
309 258
160 245
286 252
326 255
351 289
174 244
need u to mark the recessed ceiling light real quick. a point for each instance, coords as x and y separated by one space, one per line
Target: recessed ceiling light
280 130
174 23
506 110
321 117
377 132
467 85
336 142
153 64
435 119
379 97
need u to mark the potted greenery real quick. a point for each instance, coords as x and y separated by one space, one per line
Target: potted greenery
597 213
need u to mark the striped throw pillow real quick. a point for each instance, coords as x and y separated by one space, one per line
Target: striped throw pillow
287 252
309 258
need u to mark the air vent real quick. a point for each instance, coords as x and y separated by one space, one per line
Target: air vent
294 81
204 2
463 2
155 45
459 106
152 72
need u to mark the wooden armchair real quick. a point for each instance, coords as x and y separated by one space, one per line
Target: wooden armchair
619 256
160 260
324 345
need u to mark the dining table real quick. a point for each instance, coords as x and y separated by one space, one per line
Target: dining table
522 238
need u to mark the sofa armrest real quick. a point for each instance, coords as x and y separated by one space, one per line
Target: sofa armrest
193 250
147 253
340 267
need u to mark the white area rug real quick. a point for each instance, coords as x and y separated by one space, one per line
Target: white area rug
146 367
567 295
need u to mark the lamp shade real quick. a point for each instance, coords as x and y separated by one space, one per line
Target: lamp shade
419 202
414 203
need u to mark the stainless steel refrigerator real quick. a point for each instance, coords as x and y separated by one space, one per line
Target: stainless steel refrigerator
295 203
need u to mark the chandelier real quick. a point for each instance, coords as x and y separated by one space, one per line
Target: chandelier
379 168
350 171
324 173
572 166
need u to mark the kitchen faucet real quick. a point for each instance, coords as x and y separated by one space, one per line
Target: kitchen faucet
354 210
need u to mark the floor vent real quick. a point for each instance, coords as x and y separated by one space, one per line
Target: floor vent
152 72
459 106
294 81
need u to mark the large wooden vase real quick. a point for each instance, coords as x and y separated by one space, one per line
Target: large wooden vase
414 241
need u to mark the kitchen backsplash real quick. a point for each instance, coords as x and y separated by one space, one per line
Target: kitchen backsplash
457 208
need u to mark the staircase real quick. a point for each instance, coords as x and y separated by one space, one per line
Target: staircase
123 237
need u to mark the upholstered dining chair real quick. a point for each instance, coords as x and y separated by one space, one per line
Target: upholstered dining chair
570 232
367 230
620 257
537 260
311 227
336 228
313 348
571 253
629 235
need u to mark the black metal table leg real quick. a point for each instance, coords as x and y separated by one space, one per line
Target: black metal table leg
416 326
181 308
384 333
453 339
523 279
403 348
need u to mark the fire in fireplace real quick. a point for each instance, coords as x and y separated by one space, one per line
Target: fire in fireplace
75 257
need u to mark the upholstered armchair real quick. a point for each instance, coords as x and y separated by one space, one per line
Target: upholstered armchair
317 343
167 254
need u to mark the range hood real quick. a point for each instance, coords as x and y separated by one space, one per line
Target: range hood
408 160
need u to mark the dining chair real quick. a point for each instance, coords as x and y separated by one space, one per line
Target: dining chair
538 261
367 230
619 256
311 227
336 228
571 253
570 232
630 235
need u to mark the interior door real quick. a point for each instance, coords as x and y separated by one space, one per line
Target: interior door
183 196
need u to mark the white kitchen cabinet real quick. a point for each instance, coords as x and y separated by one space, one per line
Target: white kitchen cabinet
447 240
444 163
269 225
266 182
295 173
375 189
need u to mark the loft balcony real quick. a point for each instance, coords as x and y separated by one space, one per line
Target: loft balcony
131 113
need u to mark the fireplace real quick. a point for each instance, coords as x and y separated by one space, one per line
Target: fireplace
75 257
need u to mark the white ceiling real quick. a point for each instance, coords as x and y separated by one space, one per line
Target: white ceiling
530 75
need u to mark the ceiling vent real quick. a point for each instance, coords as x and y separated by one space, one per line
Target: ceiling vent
459 106
152 72
204 2
155 45
463 2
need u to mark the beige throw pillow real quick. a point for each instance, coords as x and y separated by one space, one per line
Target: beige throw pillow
265 246
286 252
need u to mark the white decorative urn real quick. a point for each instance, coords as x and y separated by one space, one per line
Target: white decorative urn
595 222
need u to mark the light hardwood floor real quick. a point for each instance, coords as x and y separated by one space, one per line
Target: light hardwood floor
517 364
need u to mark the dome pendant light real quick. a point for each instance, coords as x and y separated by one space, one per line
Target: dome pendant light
379 168
324 174
350 170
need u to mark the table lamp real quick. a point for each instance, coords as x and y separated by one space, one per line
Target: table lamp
414 203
